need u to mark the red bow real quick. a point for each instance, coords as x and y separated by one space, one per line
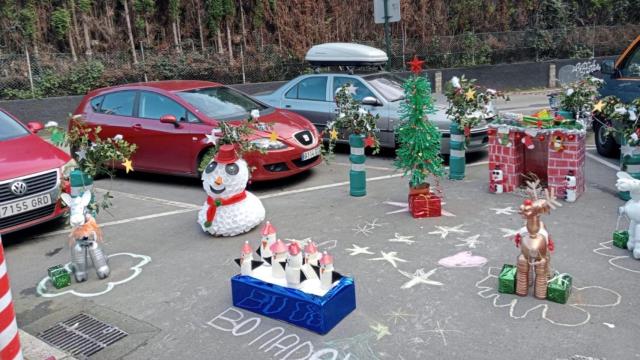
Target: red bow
517 240
214 203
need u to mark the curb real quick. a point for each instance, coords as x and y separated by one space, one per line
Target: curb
36 349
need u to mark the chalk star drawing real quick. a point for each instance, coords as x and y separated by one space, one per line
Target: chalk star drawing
399 315
446 230
374 224
355 347
404 207
623 262
381 330
357 250
470 242
505 211
576 309
415 340
440 331
325 245
390 257
419 277
402 239
364 230
509 233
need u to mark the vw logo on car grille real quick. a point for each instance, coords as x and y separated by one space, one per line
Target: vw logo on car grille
306 137
19 188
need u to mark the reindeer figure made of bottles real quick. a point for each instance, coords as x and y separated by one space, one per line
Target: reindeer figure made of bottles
534 241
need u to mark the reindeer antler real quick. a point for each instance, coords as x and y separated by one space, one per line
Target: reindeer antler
532 189
551 198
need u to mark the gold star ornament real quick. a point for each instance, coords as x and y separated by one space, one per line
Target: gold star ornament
598 106
128 165
333 134
470 94
273 137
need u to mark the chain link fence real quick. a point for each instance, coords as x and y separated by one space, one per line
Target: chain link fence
31 75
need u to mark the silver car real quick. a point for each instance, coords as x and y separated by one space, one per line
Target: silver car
312 96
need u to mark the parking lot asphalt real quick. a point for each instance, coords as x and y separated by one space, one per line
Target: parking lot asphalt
170 286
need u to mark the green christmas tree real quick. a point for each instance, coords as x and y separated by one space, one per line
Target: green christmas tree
419 139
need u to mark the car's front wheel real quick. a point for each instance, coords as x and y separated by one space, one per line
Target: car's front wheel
605 143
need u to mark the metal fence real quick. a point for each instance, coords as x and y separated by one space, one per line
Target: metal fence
55 74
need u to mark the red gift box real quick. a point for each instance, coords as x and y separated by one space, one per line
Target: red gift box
425 205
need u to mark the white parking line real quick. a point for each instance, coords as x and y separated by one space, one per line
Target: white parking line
368 167
154 199
603 162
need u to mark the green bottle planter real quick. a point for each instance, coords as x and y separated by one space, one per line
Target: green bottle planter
81 182
456 152
357 174
569 115
630 164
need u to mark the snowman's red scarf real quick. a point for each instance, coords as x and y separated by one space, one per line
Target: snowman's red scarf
215 203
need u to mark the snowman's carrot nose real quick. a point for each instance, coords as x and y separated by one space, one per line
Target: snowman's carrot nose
218 180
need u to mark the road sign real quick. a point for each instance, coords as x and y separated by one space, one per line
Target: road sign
393 10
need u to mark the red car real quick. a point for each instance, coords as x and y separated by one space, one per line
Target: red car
169 121
30 176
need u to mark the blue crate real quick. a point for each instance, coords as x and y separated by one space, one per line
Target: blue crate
316 313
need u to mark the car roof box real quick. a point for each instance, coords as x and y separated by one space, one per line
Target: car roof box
345 54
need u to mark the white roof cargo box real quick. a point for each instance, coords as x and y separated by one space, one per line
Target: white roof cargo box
345 54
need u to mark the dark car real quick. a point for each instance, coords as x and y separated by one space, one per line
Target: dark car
621 79
169 121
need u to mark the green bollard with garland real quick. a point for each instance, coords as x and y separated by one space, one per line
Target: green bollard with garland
456 152
357 174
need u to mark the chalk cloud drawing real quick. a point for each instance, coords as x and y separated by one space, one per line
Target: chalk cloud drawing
462 259
43 288
574 313
419 277
619 258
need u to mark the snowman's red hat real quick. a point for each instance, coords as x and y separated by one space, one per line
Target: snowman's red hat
311 248
294 249
268 229
246 248
278 247
227 154
326 259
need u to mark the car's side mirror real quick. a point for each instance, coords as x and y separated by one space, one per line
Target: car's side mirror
607 67
370 100
170 119
34 126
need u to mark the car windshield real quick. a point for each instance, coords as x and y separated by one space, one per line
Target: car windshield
221 103
387 85
9 128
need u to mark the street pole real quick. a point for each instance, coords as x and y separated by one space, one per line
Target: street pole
386 33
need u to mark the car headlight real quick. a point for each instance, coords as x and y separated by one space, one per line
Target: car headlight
267 144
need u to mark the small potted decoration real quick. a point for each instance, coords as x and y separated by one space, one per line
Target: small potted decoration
576 99
361 126
469 105
418 153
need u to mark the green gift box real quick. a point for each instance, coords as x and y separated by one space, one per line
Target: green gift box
59 276
620 239
559 288
507 279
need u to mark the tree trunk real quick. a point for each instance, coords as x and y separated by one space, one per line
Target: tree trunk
74 17
229 41
147 32
87 37
71 46
129 32
179 33
200 27
174 27
220 49
244 32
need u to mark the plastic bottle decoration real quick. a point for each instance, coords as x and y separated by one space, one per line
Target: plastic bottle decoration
278 259
269 237
457 152
86 235
326 273
229 209
293 271
570 187
534 242
496 184
246 262
631 209
311 254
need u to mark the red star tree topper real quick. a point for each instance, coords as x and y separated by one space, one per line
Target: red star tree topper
416 65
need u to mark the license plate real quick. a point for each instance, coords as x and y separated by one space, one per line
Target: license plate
24 205
311 154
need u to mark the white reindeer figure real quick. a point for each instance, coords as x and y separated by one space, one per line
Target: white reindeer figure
631 209
85 236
